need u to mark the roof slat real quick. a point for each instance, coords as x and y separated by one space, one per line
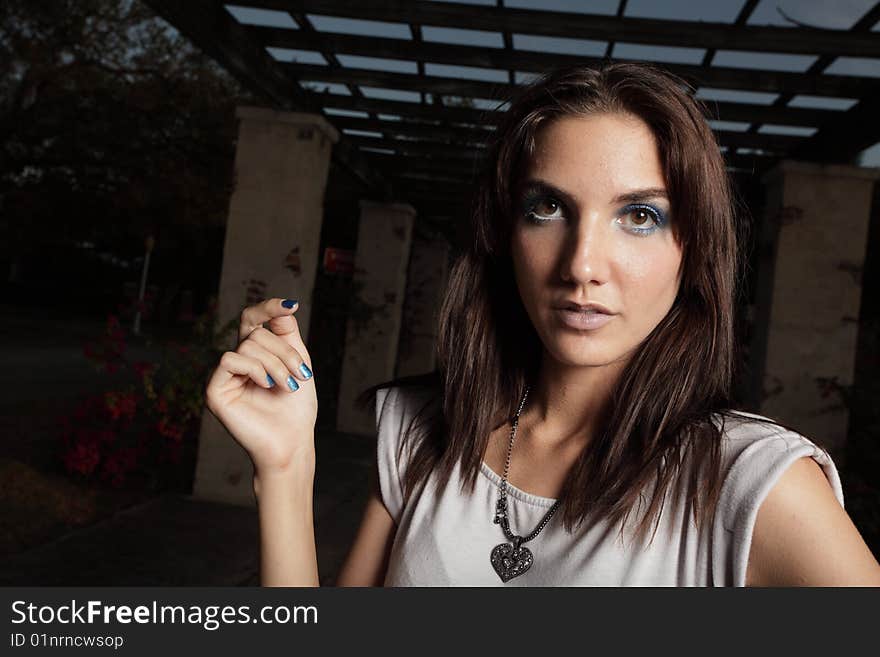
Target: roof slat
723 111
840 86
690 34
210 27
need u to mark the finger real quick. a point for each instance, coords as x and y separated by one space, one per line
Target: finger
288 355
271 363
287 328
254 316
233 364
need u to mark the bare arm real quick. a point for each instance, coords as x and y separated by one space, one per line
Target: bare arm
803 537
287 532
367 561
287 528
264 394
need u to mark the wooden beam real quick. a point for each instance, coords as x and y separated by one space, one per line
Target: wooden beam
711 76
413 179
464 171
766 142
841 141
855 130
467 171
748 162
429 177
741 19
723 111
418 147
434 84
690 34
777 144
818 67
470 138
210 27
427 131
751 113
405 109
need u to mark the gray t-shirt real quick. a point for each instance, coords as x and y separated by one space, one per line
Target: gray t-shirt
445 539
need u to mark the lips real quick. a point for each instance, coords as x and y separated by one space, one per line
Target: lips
583 316
590 307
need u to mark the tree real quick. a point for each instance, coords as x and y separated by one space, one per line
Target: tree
112 127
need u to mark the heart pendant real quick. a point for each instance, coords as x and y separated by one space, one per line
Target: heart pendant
509 562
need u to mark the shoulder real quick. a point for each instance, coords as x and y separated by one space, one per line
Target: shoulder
781 517
396 408
397 403
804 537
755 452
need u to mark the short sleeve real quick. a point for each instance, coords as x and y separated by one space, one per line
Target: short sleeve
759 454
389 426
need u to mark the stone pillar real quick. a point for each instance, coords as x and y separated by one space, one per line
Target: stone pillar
373 328
425 284
273 233
809 285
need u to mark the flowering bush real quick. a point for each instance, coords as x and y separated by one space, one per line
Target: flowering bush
144 429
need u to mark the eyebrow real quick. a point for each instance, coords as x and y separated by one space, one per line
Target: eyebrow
632 196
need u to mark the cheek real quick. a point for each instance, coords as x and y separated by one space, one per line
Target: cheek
651 276
531 261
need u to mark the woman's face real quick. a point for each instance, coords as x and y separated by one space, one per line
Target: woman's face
592 224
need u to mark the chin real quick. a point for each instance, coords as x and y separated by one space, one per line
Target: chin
581 355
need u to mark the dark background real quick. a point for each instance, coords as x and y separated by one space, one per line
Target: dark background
114 129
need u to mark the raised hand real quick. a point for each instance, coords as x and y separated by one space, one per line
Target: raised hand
264 391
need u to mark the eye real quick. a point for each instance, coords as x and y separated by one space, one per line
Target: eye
643 219
541 209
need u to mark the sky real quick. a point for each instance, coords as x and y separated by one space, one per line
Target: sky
839 14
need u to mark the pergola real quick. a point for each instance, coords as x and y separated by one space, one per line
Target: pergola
427 152
414 89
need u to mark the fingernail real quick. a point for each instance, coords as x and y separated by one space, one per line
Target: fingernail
271 381
288 303
292 384
306 372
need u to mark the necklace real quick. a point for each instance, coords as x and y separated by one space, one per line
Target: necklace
513 559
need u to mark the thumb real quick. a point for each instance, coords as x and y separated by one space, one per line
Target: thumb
287 328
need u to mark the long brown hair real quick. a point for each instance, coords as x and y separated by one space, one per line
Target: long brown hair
679 376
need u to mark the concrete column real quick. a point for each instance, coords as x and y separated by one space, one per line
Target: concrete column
810 286
273 231
373 328
425 283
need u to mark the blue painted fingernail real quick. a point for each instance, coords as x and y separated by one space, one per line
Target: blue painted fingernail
306 372
292 384
271 381
288 303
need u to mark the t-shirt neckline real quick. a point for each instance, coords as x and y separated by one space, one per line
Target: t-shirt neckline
513 491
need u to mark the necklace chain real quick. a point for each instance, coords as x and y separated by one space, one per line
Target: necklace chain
501 505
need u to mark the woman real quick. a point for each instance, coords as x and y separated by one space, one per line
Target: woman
590 324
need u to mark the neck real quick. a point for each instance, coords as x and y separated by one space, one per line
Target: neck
564 406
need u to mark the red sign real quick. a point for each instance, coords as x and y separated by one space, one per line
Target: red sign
338 261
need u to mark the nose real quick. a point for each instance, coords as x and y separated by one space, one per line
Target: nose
586 253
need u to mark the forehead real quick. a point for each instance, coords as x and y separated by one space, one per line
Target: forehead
597 151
